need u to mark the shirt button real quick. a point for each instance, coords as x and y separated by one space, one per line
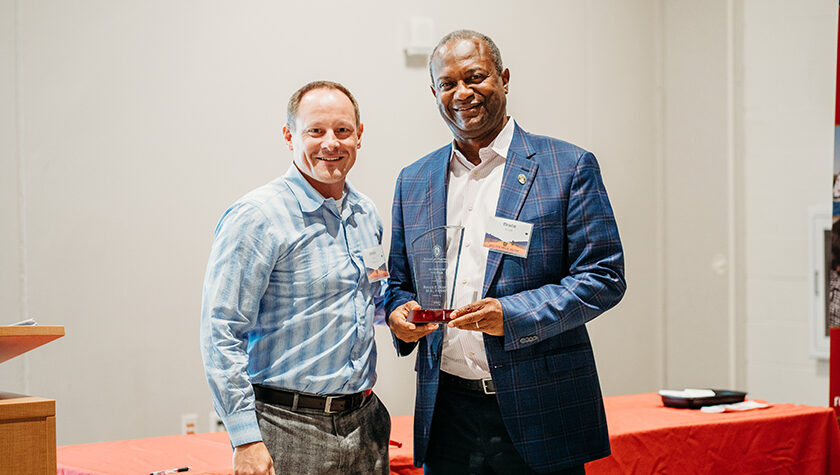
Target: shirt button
471 354
469 208
467 245
464 281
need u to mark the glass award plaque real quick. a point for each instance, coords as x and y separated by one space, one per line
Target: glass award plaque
432 251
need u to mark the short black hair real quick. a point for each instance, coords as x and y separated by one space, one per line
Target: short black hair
470 35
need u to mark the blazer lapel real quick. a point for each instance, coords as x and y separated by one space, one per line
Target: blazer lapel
517 179
436 196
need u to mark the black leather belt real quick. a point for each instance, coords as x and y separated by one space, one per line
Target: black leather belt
483 386
295 401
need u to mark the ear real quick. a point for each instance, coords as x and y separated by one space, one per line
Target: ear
287 134
434 92
506 78
359 135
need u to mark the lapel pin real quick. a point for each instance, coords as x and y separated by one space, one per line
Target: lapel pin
521 178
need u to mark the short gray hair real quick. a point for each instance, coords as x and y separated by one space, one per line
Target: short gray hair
469 35
294 101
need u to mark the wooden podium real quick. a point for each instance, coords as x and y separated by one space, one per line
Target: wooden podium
27 424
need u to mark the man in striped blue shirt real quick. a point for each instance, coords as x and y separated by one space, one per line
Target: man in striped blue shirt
287 315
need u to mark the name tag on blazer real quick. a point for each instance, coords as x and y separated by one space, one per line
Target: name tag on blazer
508 236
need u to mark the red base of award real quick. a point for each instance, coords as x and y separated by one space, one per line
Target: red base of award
422 316
834 371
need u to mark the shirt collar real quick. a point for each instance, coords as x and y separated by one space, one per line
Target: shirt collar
499 146
308 197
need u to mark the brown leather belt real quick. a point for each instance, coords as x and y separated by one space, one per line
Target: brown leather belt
483 386
295 400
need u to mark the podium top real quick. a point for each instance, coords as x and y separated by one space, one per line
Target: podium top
16 340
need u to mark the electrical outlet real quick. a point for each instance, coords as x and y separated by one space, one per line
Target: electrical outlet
214 422
189 423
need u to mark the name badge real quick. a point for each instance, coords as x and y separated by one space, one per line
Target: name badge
508 236
375 264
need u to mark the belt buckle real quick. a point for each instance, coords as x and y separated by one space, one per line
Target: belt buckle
485 385
328 405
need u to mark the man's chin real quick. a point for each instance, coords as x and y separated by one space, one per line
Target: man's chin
331 177
469 130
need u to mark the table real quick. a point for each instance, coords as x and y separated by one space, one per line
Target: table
646 437
208 453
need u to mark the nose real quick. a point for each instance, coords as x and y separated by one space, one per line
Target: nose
329 142
462 92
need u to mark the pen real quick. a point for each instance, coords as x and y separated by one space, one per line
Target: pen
171 470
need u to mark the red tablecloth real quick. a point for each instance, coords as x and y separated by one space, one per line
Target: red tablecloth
646 437
204 453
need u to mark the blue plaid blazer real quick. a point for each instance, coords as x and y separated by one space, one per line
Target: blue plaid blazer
543 366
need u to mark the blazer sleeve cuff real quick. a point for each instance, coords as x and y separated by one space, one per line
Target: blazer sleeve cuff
518 332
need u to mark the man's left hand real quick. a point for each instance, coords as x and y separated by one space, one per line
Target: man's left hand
484 315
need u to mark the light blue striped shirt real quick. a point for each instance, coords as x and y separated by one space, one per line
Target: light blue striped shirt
287 302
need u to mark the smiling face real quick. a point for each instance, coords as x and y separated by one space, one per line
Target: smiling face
470 92
324 139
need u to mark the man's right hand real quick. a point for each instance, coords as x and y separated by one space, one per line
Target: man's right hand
252 459
407 331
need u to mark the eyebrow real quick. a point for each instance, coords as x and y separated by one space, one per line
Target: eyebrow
322 125
466 73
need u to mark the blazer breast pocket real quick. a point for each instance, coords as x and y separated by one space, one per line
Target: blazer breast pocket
546 211
546 252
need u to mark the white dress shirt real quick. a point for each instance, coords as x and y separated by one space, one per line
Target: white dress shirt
471 201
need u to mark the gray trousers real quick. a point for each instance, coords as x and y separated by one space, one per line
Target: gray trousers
311 442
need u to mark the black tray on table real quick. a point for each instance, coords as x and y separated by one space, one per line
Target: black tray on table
722 396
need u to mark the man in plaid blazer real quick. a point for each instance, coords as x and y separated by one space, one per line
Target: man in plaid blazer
509 385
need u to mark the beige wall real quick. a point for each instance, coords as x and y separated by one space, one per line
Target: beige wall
698 203
12 373
789 51
137 123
